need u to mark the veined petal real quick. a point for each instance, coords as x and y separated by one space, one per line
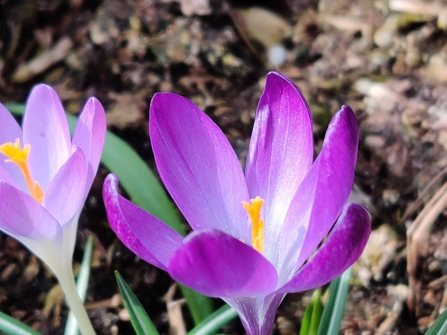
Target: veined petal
64 196
218 265
198 166
45 128
144 234
90 135
258 313
22 216
9 132
342 248
324 191
280 152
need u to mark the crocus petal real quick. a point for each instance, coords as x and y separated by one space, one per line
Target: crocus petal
342 248
10 129
198 165
321 196
280 152
90 135
22 216
6 177
45 128
144 234
9 132
218 265
258 313
64 196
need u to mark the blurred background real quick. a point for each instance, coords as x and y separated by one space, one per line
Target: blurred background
386 59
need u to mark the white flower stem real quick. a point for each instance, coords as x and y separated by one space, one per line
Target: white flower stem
68 284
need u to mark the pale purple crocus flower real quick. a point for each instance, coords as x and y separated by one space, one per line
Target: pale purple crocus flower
45 177
256 236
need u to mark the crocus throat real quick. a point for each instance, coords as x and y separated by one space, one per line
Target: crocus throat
257 227
20 157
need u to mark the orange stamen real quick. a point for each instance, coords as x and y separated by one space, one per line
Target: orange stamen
257 228
20 157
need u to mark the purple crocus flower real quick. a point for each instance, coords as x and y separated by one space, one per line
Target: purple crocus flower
45 175
253 233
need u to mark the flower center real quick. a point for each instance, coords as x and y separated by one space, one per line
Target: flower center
20 157
257 227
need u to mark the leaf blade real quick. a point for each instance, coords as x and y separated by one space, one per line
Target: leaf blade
141 322
335 307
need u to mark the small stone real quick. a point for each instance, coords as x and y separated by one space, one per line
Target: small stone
277 55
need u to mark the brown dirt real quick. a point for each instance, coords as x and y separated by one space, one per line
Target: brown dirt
389 66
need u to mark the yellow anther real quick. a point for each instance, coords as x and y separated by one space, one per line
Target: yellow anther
257 228
20 157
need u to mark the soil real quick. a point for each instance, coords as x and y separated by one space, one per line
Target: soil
386 59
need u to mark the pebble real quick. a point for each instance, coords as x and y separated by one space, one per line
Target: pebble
277 55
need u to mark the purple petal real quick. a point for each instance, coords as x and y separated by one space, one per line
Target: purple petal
6 177
218 265
198 166
342 248
9 132
257 314
281 151
90 135
45 128
64 196
9 129
22 216
144 234
323 193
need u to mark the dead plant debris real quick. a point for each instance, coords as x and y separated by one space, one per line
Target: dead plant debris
387 59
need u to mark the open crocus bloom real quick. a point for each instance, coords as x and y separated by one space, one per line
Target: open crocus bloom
45 176
253 233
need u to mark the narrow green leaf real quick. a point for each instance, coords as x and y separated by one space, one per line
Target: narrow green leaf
146 191
17 109
316 313
307 318
71 328
439 327
11 326
335 307
199 306
214 321
312 315
141 322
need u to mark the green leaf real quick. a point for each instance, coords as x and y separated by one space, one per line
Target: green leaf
11 326
312 315
71 328
439 327
214 321
200 306
141 322
144 190
16 109
335 307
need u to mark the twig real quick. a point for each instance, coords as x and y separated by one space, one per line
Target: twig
43 61
418 235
